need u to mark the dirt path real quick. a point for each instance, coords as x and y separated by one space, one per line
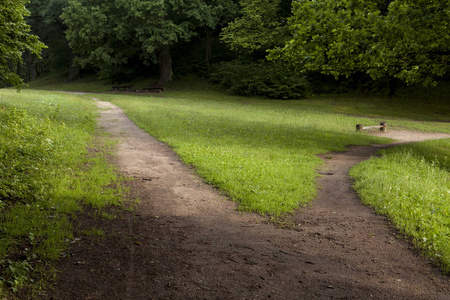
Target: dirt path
186 241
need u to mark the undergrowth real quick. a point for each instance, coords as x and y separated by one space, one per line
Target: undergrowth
47 175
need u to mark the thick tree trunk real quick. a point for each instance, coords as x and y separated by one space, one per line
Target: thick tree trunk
74 71
165 65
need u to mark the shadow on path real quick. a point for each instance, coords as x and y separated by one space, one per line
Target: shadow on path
186 241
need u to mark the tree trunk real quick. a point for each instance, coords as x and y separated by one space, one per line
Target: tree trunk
165 66
19 69
32 69
74 71
208 46
10 64
392 86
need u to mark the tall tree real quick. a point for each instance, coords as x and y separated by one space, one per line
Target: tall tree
15 38
108 34
405 39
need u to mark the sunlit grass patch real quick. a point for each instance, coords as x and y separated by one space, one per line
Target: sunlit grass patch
411 185
260 152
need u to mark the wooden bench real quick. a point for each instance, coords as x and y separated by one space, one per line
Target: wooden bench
154 89
117 88
382 127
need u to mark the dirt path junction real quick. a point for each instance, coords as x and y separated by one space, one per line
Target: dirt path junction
187 241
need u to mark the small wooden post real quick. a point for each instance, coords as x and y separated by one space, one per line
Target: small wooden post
383 127
359 127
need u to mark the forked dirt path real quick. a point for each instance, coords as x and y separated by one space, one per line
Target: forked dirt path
186 241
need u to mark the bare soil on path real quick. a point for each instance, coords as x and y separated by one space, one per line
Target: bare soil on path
187 241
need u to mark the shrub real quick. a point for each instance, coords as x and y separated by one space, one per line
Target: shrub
267 79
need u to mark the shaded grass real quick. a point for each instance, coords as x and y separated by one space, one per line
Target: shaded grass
411 185
418 103
47 175
56 82
400 108
87 83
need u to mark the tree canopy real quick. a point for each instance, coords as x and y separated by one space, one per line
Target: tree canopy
121 39
261 25
46 23
110 34
15 38
405 39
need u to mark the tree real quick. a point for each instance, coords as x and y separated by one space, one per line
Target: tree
46 23
15 38
109 35
405 39
262 25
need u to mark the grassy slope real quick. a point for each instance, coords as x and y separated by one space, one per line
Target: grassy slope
44 163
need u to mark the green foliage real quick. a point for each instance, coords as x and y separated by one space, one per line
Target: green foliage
14 39
262 25
44 164
411 185
16 273
46 23
113 35
272 80
404 39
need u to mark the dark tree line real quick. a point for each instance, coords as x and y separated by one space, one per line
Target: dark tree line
271 44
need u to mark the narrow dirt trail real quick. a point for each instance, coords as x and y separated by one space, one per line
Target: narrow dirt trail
186 241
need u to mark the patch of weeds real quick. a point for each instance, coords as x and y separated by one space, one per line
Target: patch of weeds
282 222
108 216
16 274
95 232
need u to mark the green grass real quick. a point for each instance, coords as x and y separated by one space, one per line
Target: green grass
56 82
413 109
411 185
47 174
260 152
87 83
